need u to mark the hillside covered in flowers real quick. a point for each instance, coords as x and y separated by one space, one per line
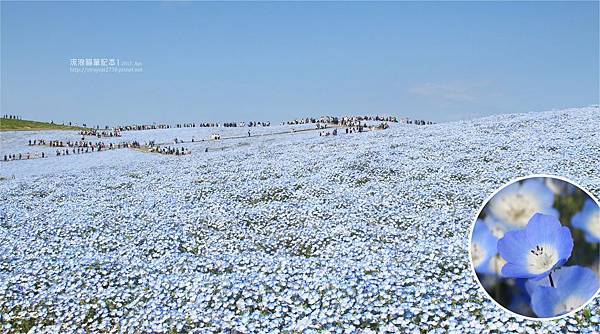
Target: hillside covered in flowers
364 232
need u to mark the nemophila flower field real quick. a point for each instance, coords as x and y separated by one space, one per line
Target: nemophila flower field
526 258
294 233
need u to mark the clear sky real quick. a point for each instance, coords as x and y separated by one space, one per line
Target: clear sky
276 61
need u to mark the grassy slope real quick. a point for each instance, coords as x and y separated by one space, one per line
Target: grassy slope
24 125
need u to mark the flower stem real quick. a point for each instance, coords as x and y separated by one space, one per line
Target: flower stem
551 281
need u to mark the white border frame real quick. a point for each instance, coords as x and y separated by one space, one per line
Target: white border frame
482 289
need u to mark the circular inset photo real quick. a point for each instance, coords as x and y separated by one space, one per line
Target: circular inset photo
535 247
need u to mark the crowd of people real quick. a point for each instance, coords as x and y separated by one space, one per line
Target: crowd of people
328 133
99 133
69 149
199 125
309 120
376 118
361 127
64 148
88 149
354 120
141 127
341 120
26 156
353 127
244 124
169 150
349 124
406 120
11 117
115 132
136 127
381 126
185 125
84 144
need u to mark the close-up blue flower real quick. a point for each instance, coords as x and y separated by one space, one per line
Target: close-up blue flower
517 203
542 224
588 220
565 290
483 247
534 251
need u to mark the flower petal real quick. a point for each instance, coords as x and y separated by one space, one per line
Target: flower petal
542 229
578 220
573 286
576 280
484 238
543 301
514 247
564 243
516 270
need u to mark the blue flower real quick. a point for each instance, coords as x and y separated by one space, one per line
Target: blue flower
483 247
588 220
573 287
534 251
518 202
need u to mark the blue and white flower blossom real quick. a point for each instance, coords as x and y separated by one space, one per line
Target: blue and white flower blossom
534 251
588 220
483 247
570 288
518 202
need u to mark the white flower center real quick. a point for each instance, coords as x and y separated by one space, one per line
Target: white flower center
478 253
571 303
518 209
594 224
541 259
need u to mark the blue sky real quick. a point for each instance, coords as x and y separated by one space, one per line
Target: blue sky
276 61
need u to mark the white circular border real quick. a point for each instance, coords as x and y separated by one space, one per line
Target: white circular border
471 240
